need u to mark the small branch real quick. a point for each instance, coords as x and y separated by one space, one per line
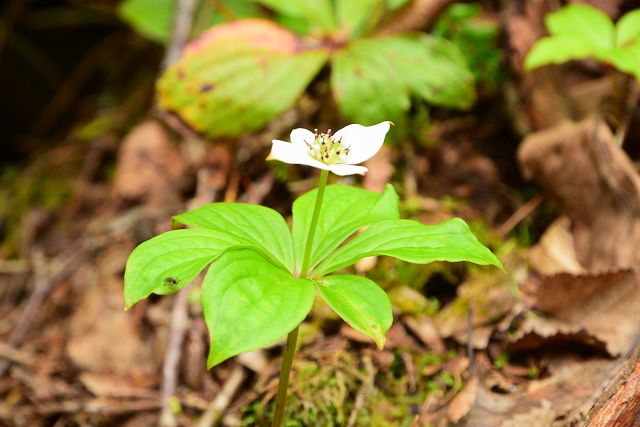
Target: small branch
367 388
519 215
216 409
179 320
414 16
470 354
44 281
181 30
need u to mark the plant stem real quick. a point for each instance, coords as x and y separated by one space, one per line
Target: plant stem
285 370
322 183
292 338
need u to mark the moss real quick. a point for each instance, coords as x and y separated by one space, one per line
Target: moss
324 390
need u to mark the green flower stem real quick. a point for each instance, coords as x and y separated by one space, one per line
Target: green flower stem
322 183
292 338
285 370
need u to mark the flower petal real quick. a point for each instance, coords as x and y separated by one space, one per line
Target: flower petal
363 141
343 170
294 154
302 136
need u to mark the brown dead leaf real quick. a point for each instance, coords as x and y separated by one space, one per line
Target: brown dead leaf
597 309
555 252
491 299
544 402
149 166
463 402
595 183
102 336
108 385
425 329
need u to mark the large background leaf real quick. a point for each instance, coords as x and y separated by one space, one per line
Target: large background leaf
248 303
237 77
357 16
254 224
584 22
374 79
319 14
151 18
345 209
360 302
628 29
412 241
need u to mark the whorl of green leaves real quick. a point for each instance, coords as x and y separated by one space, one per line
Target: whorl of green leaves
252 295
581 31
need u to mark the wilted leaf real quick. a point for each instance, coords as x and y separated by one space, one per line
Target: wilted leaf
598 309
237 77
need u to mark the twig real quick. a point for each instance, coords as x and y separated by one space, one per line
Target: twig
415 15
521 213
367 387
14 266
16 356
44 281
179 319
223 399
470 354
181 30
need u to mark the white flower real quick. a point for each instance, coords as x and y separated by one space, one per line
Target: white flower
338 153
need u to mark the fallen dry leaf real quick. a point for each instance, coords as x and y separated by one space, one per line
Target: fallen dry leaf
602 310
463 402
544 403
581 166
149 166
555 252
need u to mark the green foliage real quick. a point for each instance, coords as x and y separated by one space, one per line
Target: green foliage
345 210
477 40
374 79
580 31
359 302
414 242
166 263
357 17
239 76
248 303
254 226
252 296
151 18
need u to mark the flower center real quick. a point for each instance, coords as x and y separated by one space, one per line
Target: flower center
326 149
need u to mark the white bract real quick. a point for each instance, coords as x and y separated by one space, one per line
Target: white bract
339 153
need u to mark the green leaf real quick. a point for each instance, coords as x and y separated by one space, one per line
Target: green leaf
359 302
248 303
345 209
253 225
318 13
628 29
151 18
582 21
373 79
357 17
556 50
414 242
166 263
237 77
626 60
